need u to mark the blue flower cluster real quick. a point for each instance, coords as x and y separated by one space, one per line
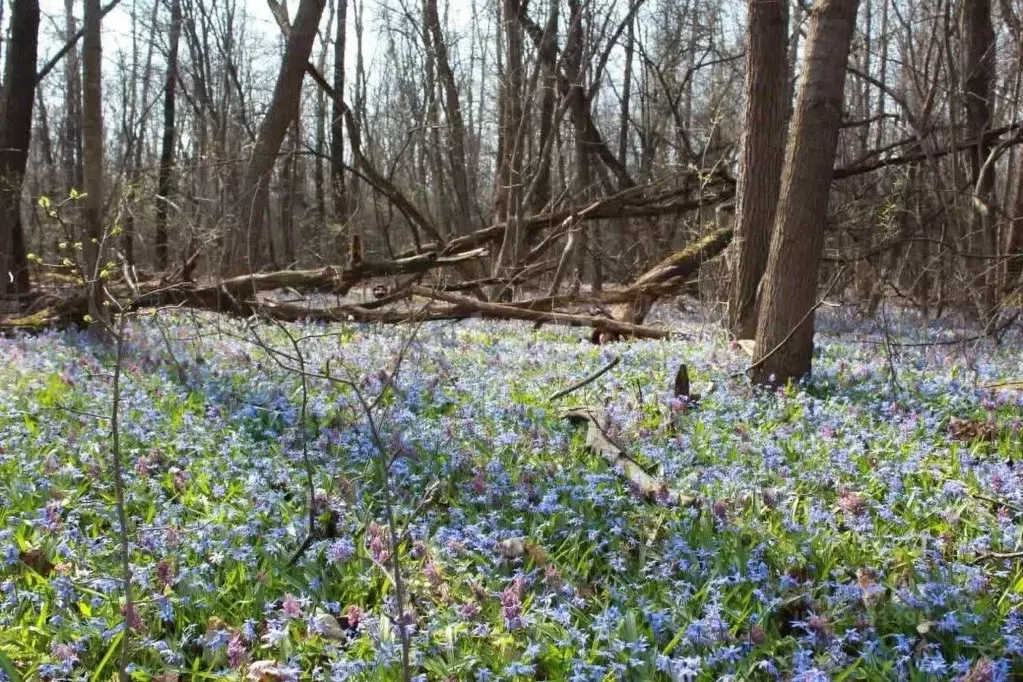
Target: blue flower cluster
863 524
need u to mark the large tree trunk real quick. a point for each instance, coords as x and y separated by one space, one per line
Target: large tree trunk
92 157
762 155
165 180
242 251
784 341
15 136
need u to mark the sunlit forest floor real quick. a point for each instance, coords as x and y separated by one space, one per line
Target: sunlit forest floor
849 528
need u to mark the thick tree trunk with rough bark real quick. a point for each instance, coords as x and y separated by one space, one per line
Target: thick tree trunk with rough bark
784 340
762 155
16 104
243 247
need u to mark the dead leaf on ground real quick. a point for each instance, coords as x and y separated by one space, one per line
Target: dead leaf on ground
328 627
269 671
971 429
511 548
37 561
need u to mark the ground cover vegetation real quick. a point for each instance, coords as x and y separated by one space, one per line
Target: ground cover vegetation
857 525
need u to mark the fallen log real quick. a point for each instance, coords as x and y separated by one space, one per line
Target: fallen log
650 487
503 311
240 295
669 276
72 310
331 279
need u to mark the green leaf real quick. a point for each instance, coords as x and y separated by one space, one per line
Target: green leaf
98 672
7 665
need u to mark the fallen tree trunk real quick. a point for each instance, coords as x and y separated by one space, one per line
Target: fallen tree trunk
72 310
241 295
668 276
504 311
597 440
331 279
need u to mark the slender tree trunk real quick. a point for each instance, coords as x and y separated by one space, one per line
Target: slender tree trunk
92 158
453 114
289 195
337 129
319 180
165 180
979 46
622 225
243 251
503 170
16 101
579 111
72 151
431 159
762 156
548 57
135 124
784 340
512 122
1014 235
47 182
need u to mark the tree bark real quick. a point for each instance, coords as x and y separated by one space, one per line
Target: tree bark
579 111
540 191
135 118
165 179
453 114
510 194
622 226
784 340
320 143
92 158
762 155
72 137
337 124
979 46
16 104
242 251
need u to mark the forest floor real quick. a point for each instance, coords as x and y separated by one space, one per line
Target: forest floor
849 528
